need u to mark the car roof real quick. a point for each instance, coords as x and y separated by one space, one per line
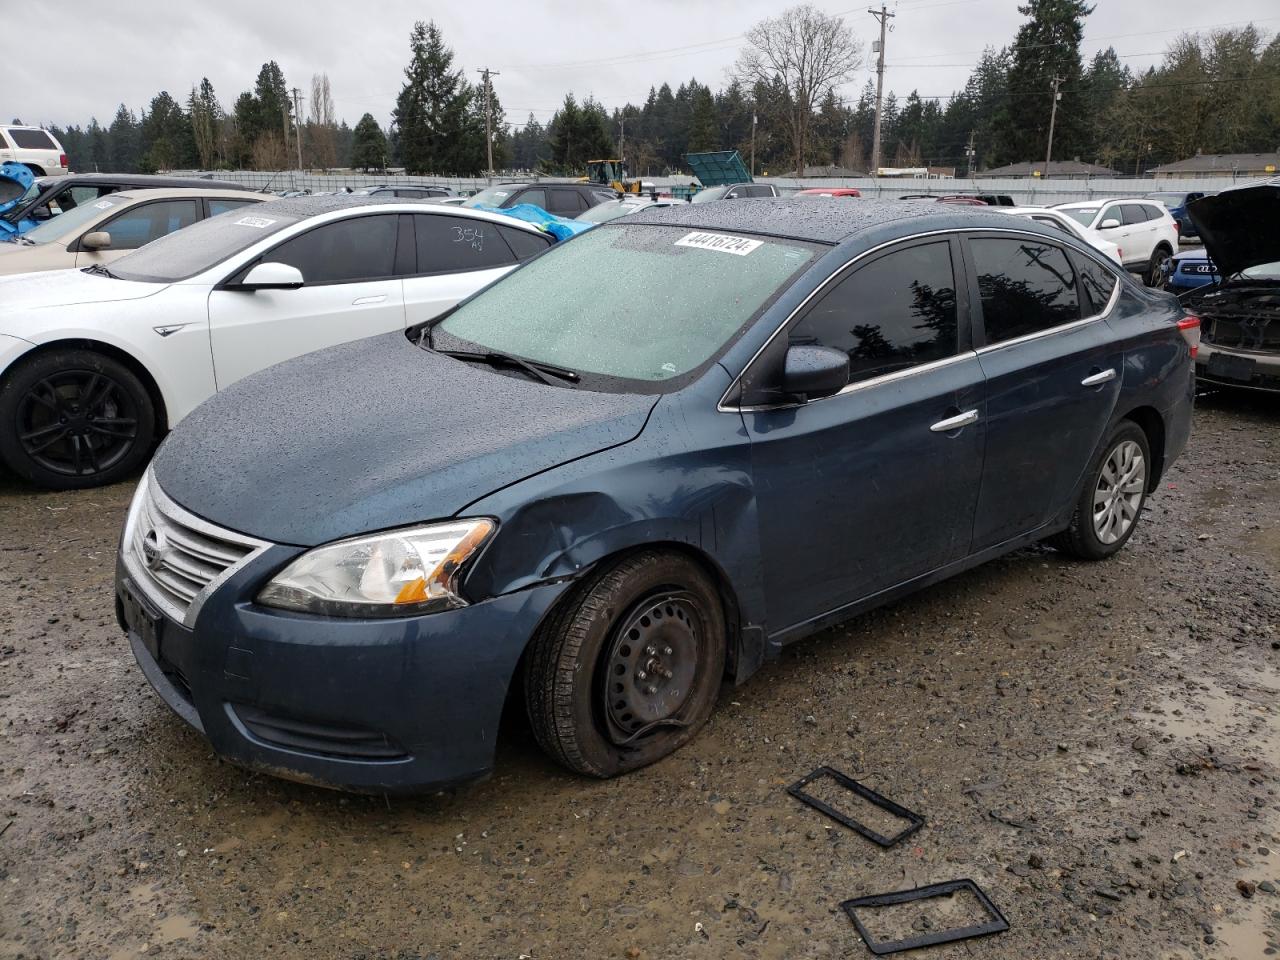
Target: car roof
1076 204
313 206
177 193
799 219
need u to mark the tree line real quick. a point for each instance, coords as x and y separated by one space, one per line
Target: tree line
1212 93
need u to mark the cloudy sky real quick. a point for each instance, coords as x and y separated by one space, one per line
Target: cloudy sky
112 53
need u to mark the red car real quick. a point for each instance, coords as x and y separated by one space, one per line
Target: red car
830 192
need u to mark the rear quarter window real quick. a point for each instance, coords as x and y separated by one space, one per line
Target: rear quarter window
32 139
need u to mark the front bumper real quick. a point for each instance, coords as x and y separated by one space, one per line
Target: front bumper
379 706
1241 369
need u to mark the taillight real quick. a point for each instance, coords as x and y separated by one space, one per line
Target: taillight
62 160
1177 227
1189 327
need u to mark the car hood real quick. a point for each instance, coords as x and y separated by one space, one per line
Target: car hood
1238 227
376 434
66 288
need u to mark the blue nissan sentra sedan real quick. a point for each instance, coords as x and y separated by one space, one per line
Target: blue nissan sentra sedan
640 464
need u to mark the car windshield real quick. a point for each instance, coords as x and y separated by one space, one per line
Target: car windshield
711 193
199 247
63 225
492 196
609 210
1262 271
1081 215
591 305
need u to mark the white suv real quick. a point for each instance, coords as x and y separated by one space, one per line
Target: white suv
36 148
1143 229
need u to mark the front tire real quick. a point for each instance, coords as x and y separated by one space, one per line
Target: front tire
1111 500
74 418
627 670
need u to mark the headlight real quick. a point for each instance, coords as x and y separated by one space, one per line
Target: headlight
391 574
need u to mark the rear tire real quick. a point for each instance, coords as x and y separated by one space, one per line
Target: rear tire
74 418
1155 269
1112 497
627 670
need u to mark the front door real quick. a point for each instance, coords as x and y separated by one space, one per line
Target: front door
861 491
1053 376
350 291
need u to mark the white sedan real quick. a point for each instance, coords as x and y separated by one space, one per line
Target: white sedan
97 363
1055 219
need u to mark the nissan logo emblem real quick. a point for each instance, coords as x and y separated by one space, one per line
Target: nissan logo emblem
153 549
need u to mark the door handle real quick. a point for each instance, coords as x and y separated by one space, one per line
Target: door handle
361 301
956 422
1095 379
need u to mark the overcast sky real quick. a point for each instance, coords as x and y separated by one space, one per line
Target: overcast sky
112 53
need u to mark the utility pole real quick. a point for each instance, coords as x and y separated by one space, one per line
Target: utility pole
1053 115
884 16
969 154
488 112
297 116
754 121
622 137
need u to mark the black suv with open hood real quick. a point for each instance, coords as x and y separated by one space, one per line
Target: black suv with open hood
1240 313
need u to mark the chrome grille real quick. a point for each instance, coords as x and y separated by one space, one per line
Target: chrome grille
175 557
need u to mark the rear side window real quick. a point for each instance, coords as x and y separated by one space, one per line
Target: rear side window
219 205
32 139
347 251
455 244
893 313
1026 286
151 221
523 243
1098 282
1134 213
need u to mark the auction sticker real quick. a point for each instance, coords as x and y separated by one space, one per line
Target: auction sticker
256 222
104 205
722 243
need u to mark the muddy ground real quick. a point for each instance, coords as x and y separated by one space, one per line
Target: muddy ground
1098 746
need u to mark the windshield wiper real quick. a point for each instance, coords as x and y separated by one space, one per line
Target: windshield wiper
548 373
101 271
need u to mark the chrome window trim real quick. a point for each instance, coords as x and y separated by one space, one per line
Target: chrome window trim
160 501
724 406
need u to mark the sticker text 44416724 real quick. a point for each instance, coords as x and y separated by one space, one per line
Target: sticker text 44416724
719 242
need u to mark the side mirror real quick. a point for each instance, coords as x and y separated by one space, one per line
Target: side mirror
1109 224
97 240
814 372
272 276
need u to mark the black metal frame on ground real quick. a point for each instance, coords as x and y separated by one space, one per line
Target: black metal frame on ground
997 923
914 820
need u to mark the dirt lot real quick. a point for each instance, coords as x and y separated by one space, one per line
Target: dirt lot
1098 746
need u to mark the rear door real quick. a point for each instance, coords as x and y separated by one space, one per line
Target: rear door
350 291
1052 368
861 491
455 256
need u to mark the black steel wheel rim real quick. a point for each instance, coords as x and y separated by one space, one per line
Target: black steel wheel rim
77 422
651 665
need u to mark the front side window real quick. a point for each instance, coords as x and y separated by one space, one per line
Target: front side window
896 312
537 197
150 221
345 251
455 244
590 304
1026 286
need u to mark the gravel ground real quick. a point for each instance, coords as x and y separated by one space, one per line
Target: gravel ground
1098 746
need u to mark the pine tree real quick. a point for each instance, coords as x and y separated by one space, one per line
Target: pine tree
124 155
167 142
368 145
1047 45
704 132
433 116
206 122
